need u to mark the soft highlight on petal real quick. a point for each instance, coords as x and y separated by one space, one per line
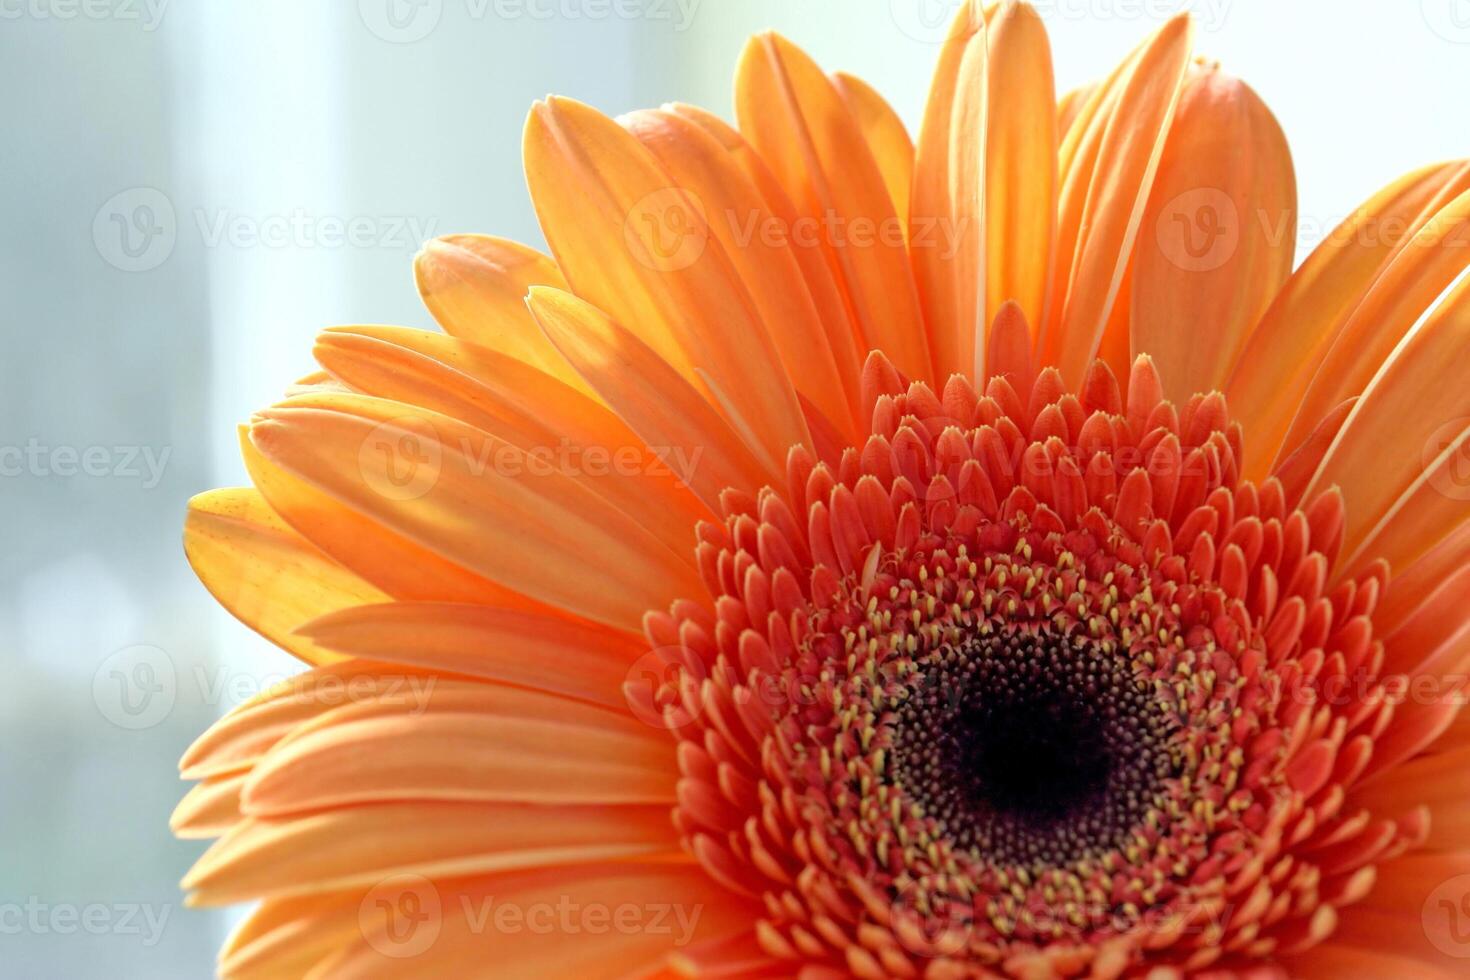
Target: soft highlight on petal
1219 235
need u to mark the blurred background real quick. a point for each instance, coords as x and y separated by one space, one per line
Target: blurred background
192 189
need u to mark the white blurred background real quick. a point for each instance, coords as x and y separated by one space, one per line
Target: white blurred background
192 188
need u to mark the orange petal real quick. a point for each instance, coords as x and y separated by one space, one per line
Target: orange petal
1436 636
944 219
651 397
360 846
524 406
635 245
264 573
476 286
1108 164
1021 162
1430 779
579 660
1069 107
236 742
1282 354
401 568
887 137
672 906
465 741
1408 287
1218 238
813 254
1427 521
287 937
967 171
315 382
797 121
1416 408
209 809
1296 471
1389 933
476 501
760 253
1423 555
1341 959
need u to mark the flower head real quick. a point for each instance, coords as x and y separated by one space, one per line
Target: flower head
980 556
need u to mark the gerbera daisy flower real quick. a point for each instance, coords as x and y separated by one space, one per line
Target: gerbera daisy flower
849 556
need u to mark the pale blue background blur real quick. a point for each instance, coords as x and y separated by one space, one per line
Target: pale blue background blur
176 179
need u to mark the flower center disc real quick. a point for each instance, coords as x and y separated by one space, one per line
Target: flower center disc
1032 747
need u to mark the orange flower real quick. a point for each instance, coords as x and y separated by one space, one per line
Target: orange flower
874 507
